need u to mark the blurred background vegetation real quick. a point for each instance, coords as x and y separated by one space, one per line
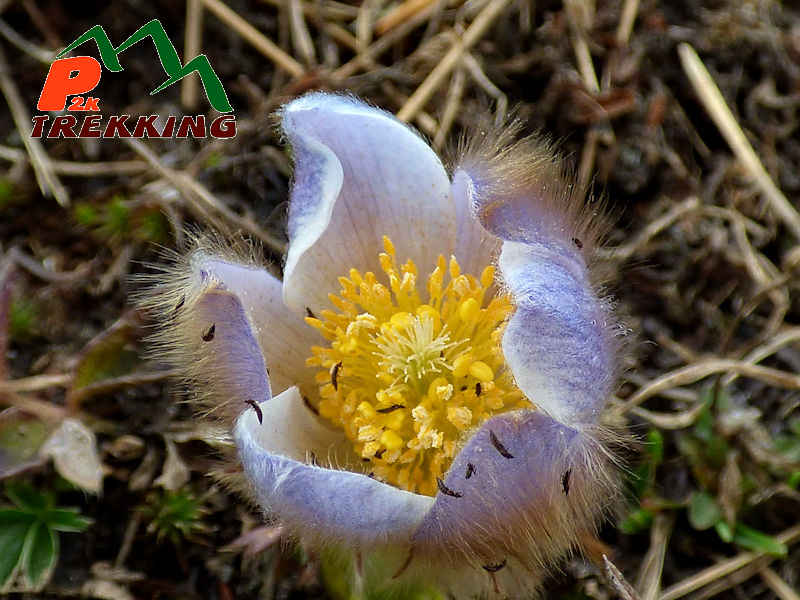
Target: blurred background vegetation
105 489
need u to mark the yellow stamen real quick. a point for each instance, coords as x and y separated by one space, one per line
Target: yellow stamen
414 373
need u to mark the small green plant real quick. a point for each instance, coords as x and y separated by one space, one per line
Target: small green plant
6 192
175 515
116 219
23 315
705 450
119 220
29 535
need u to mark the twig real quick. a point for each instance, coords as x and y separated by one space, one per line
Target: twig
40 54
649 581
81 169
335 11
436 77
425 121
127 539
48 182
368 56
100 169
703 369
622 253
451 107
399 14
578 20
726 567
193 189
618 581
720 113
588 157
192 42
12 154
678 420
778 586
34 267
365 23
46 411
104 386
759 267
474 68
255 37
35 383
301 38
774 344
626 20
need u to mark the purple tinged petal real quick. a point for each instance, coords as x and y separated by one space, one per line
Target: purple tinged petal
359 174
514 504
324 504
284 339
559 342
223 352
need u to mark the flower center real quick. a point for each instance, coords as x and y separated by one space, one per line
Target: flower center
405 377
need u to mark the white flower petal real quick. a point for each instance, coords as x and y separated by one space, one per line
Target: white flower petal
475 247
318 503
288 428
359 174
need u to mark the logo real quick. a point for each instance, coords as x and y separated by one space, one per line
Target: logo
73 79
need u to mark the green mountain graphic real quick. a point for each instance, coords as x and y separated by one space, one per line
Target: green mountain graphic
170 61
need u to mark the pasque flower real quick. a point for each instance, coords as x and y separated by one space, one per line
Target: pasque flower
426 383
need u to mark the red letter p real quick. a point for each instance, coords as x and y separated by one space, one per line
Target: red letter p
59 83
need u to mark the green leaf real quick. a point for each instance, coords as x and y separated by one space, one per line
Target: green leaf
85 214
789 446
639 520
66 519
115 219
655 446
27 498
40 554
641 479
12 542
636 522
10 516
704 425
703 511
22 317
752 539
6 190
794 480
724 531
152 226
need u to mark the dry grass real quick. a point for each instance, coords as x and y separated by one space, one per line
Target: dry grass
684 115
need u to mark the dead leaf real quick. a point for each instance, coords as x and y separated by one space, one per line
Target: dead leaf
256 540
21 437
730 488
109 354
73 448
618 581
175 473
142 477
